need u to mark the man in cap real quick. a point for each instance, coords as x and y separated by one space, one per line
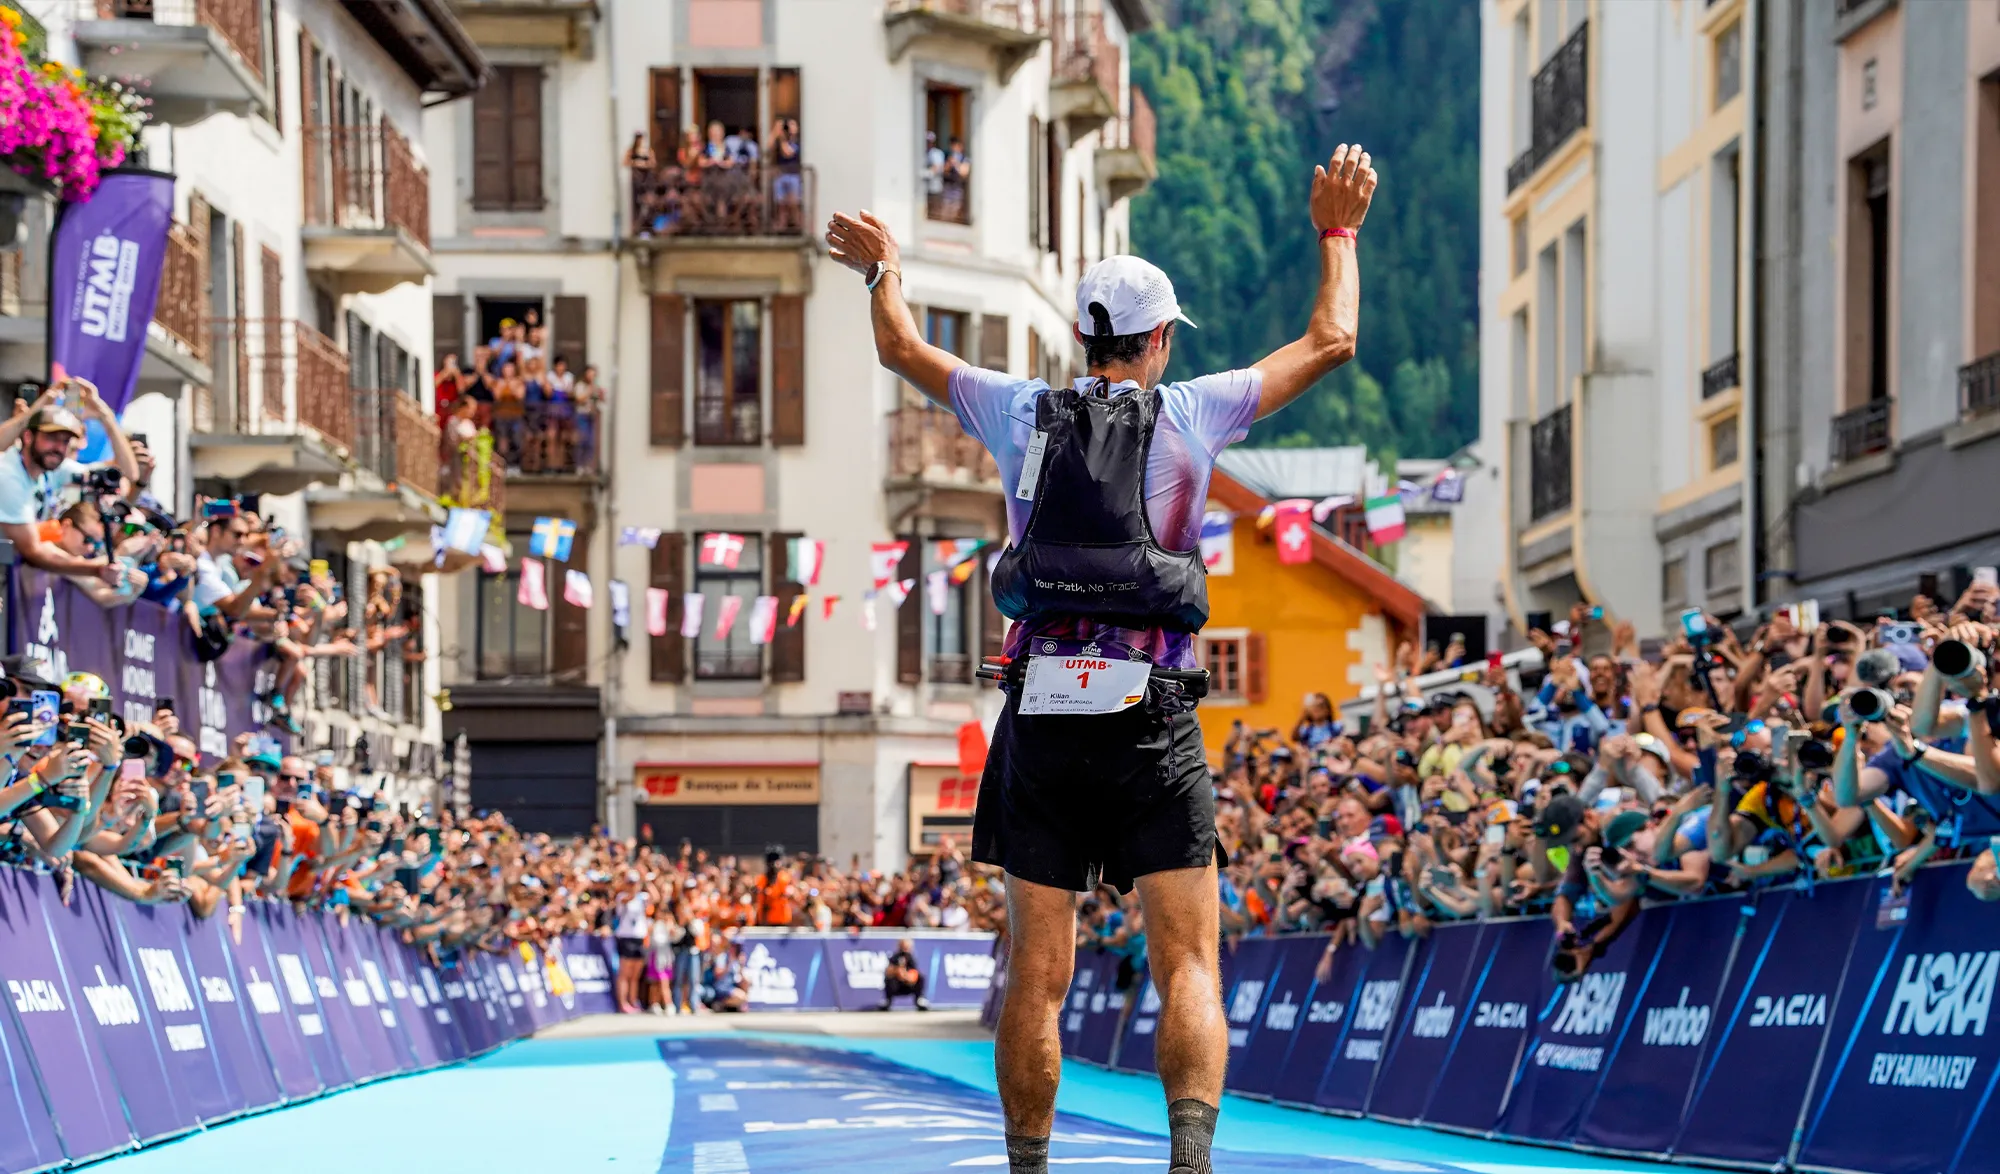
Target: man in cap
1096 773
34 475
1577 841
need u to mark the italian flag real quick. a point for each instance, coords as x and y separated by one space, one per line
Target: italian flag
1385 519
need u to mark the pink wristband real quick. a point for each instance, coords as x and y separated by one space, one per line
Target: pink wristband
1349 233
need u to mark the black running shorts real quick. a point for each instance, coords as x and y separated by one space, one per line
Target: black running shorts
1075 800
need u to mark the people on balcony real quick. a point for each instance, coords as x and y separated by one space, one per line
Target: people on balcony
510 414
589 398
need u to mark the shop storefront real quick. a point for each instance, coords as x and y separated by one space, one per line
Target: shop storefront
741 808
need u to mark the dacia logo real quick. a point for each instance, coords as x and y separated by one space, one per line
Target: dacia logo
1501 1015
111 1004
37 994
1940 993
1592 1005
1326 1011
1243 1004
1792 1011
1377 1003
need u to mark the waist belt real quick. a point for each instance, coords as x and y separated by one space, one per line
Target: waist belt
1008 671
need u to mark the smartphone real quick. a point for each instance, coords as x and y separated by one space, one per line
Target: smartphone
1596 613
1270 843
1755 855
1496 834
199 790
173 866
164 705
325 758
219 509
46 705
253 793
100 707
225 779
1694 715
1693 623
132 770
1808 621
1987 575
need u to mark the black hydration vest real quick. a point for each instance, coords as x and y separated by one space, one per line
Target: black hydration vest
1088 550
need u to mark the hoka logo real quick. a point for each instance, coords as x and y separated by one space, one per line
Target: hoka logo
1501 1015
1434 1021
1243 1004
1281 1016
1377 1004
1796 1011
298 985
1943 993
163 977
1678 1026
968 972
1591 1006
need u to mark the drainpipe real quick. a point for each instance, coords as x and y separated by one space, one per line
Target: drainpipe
1750 542
615 800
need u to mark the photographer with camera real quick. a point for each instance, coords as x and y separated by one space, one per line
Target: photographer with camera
1589 851
37 446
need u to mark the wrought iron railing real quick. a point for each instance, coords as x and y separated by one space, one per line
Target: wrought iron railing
289 374
1137 131
1085 53
1550 481
1014 15
729 664
396 439
1719 377
951 668
240 23
1559 105
365 177
751 200
1860 431
1979 386
927 443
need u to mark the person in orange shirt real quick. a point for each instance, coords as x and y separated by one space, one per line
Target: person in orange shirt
776 894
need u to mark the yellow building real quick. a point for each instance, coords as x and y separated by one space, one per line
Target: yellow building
1277 632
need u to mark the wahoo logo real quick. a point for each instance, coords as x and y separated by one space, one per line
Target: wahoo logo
217 990
1591 1006
1243 1002
1940 993
1377 1004
1281 1016
264 996
864 969
111 1004
104 308
1434 1021
163 978
36 994
1795 1011
1678 1026
968 972
1325 1011
328 989
769 982
1500 1015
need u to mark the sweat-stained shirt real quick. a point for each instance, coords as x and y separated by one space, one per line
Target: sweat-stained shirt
1198 419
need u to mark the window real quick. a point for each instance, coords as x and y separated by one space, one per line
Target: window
1724 252
1674 583
1222 656
1572 311
1548 294
1723 569
1037 183
1867 278
1520 247
947 330
728 406
1986 222
507 141
513 638
947 636
733 657
947 155
1728 63
1722 442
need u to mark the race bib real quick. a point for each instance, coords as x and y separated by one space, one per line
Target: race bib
1083 684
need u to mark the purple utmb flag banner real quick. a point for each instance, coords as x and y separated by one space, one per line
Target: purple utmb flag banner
105 261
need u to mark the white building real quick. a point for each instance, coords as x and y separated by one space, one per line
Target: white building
288 356
745 394
1613 304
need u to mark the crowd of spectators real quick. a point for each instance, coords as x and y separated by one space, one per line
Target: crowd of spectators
721 182
518 402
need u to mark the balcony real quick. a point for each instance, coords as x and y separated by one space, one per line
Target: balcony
1126 156
1013 30
1559 105
193 58
1979 387
367 208
1084 88
1550 484
926 446
732 207
1719 377
285 419
551 441
1861 431
396 444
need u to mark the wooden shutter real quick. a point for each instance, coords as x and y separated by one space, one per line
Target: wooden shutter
666 115
571 331
668 653
524 137
1052 184
788 644
1034 353
910 617
271 271
785 93
448 329
1253 668
489 143
669 428
271 337
1036 162
993 342
569 643
309 120
788 371
992 625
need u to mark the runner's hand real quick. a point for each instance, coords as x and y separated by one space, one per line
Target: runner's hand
1341 190
860 242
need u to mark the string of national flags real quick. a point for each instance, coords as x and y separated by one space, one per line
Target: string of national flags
954 560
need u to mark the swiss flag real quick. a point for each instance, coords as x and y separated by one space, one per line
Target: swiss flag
1293 531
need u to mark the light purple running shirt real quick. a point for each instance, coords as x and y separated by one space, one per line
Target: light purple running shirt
1198 419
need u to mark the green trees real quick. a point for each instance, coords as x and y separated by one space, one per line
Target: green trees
1251 94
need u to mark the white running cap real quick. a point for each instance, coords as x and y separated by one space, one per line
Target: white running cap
1134 292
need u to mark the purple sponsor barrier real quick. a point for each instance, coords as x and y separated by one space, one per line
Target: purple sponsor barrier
854 967
1084 976
155 937
1137 1041
106 255
390 998
1255 1068
27 1132
1577 1029
1256 964
1432 1017
1350 1072
460 985
1781 991
1916 1067
54 1022
1327 1006
1675 1026
250 1068
787 973
107 994
502 996
1103 1008
524 962
406 997
591 965
349 998
958 972
299 958
1499 1006
439 1014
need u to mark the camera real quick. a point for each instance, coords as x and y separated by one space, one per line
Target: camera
1956 658
1871 705
1812 753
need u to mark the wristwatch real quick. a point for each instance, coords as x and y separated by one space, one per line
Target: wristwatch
1922 749
877 272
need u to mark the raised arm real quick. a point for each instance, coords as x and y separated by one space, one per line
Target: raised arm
1340 194
860 243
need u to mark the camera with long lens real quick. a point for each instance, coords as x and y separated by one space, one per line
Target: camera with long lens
1871 705
1956 658
1753 767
